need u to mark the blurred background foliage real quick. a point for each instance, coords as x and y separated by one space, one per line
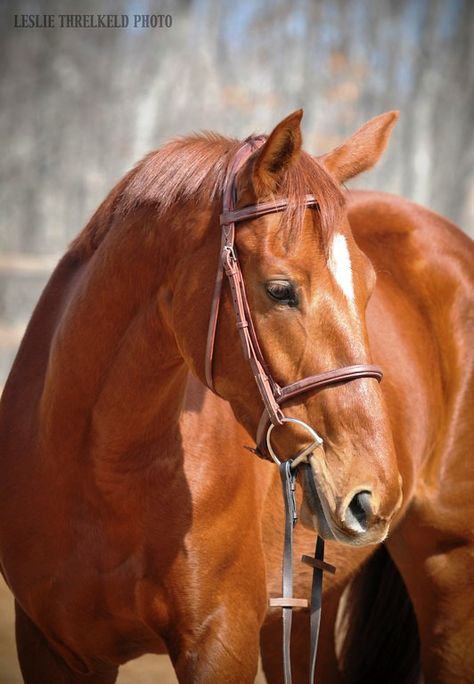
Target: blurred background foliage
80 106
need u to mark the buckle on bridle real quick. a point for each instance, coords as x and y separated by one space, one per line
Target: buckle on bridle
302 455
229 259
229 250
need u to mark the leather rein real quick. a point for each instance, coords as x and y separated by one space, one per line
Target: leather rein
273 395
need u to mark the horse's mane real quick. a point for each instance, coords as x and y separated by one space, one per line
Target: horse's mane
194 168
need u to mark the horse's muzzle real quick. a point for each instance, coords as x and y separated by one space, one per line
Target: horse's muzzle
355 521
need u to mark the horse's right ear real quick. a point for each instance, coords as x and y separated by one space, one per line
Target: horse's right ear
280 150
362 150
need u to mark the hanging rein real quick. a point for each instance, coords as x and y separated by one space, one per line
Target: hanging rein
273 396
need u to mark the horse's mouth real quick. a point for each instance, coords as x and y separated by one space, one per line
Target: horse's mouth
316 514
311 497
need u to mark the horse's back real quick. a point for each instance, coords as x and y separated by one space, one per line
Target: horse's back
425 260
391 226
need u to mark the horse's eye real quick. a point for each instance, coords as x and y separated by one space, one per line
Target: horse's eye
282 291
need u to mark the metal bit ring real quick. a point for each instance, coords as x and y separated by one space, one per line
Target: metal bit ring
317 440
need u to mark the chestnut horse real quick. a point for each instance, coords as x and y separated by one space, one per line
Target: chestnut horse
131 517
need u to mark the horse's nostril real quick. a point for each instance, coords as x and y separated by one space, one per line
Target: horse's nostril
359 512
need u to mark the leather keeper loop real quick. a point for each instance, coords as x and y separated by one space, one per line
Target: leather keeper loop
287 602
319 564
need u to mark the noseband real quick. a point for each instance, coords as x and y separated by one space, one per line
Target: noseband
273 395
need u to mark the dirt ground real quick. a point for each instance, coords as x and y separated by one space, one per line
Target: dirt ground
149 669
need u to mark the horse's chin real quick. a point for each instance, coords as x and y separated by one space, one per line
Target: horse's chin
315 515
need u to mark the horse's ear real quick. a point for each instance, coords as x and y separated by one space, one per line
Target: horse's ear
362 150
281 148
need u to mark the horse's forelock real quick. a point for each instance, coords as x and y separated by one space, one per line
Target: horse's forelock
305 177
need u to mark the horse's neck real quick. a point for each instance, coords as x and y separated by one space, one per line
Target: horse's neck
115 380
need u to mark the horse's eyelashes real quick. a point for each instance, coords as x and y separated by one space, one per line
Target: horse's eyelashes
282 291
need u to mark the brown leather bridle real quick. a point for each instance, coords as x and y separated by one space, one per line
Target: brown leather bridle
273 395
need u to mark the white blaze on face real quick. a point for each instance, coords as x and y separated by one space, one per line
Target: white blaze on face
339 263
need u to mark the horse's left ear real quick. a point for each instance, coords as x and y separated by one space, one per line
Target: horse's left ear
362 150
280 150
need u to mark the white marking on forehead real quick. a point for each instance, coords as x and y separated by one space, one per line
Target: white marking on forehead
339 263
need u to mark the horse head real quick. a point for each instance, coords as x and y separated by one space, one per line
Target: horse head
307 286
